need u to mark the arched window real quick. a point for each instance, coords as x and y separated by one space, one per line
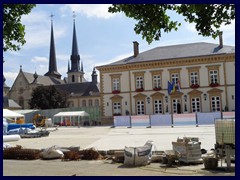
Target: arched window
73 78
84 104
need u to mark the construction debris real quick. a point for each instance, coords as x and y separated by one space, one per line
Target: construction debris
188 150
138 156
90 154
19 153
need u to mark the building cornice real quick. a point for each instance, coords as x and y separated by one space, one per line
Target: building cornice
168 63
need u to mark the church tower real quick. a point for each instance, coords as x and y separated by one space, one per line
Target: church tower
75 73
52 72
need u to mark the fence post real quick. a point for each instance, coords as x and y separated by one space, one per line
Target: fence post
196 119
172 119
130 122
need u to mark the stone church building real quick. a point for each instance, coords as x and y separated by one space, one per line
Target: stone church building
81 93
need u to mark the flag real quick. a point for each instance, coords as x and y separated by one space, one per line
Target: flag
170 87
173 86
178 86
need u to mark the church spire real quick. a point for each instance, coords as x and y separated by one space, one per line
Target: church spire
75 57
52 72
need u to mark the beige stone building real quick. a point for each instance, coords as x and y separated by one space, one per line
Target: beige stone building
81 93
139 84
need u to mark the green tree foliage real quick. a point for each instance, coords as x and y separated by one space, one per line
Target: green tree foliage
13 29
47 97
152 19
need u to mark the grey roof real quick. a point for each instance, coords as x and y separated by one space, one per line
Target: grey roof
10 103
44 80
13 104
81 89
177 51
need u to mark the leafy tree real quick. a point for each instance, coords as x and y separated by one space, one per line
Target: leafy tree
13 29
153 18
47 97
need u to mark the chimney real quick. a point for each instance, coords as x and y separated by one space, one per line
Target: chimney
220 40
135 48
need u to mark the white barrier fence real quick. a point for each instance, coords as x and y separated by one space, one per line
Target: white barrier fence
171 119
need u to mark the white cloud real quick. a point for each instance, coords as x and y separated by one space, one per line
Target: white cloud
36 17
91 10
39 59
117 58
37 28
10 76
63 57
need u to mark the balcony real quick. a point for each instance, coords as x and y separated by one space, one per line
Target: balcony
116 91
139 89
214 84
157 88
194 86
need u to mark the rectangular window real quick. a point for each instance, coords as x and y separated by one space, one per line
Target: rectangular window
116 84
140 107
156 81
158 107
175 77
215 103
196 104
194 78
213 76
116 108
139 82
176 106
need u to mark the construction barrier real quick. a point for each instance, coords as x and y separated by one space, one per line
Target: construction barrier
194 119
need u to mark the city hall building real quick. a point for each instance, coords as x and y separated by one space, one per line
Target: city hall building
138 85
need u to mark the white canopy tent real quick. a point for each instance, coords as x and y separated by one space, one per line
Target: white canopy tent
11 114
70 114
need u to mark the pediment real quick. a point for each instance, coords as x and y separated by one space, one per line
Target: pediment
140 95
157 94
195 92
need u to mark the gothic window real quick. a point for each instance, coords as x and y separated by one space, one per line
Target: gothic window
73 78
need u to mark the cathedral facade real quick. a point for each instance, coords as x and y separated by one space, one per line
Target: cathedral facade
81 93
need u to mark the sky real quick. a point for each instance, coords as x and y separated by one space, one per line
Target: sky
102 38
